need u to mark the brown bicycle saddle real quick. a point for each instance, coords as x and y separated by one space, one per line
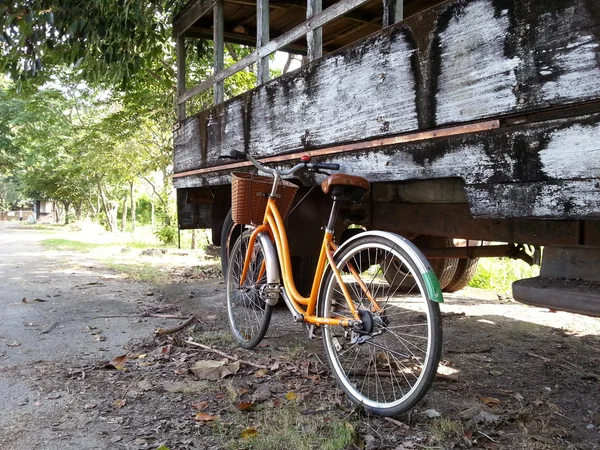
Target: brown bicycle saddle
346 187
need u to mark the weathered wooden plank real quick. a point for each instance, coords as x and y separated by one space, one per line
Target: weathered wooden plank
452 220
467 60
393 12
189 15
569 199
547 156
218 49
314 38
262 37
185 140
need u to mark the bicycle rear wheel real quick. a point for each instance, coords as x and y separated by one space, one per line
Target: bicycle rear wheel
249 315
389 365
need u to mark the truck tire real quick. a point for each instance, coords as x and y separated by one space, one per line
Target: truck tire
443 268
229 234
465 270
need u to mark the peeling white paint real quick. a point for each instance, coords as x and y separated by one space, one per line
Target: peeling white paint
544 200
573 152
476 79
578 63
347 99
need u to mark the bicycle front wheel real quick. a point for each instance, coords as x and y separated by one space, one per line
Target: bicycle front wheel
249 314
388 365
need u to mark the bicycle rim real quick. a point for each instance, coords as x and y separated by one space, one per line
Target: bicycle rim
388 367
249 315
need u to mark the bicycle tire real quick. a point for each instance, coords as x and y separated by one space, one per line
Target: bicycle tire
249 315
392 354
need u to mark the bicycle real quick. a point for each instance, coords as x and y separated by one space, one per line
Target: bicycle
374 298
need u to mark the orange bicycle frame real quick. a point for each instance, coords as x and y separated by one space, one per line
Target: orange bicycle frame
273 225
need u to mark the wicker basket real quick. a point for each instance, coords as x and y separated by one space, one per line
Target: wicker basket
249 195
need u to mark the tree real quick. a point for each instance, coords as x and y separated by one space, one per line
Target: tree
107 41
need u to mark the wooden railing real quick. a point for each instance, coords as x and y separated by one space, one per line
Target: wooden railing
311 28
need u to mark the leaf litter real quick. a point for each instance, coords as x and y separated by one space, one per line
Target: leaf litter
176 394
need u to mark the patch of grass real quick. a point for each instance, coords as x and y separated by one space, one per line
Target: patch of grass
45 227
445 429
67 244
498 274
212 337
287 426
296 349
139 272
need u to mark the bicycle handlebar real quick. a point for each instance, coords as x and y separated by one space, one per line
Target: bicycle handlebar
310 166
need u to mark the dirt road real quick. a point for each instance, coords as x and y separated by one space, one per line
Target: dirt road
57 308
512 376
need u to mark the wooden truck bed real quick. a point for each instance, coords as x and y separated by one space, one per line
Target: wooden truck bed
477 119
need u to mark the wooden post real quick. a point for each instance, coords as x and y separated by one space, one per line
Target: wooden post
180 76
314 38
219 40
262 38
393 12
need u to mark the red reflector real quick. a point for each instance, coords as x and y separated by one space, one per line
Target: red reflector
305 158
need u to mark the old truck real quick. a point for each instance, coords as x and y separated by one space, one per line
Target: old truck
476 120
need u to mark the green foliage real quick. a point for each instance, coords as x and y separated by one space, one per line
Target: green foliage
139 271
498 274
167 234
102 39
68 244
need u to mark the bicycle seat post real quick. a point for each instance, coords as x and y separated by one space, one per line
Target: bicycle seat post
333 215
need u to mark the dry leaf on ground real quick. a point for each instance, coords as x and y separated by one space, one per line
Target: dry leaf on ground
214 370
118 362
490 401
243 406
203 417
260 373
200 405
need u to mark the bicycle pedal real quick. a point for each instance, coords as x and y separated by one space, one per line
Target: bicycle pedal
270 293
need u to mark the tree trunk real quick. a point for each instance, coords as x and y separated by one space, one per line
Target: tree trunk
152 212
194 239
78 207
124 215
109 208
66 206
131 193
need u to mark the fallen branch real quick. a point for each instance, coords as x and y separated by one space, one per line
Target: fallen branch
543 358
446 376
165 331
397 422
225 355
165 316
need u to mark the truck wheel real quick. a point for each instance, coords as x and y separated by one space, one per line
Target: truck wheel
443 268
465 270
229 234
